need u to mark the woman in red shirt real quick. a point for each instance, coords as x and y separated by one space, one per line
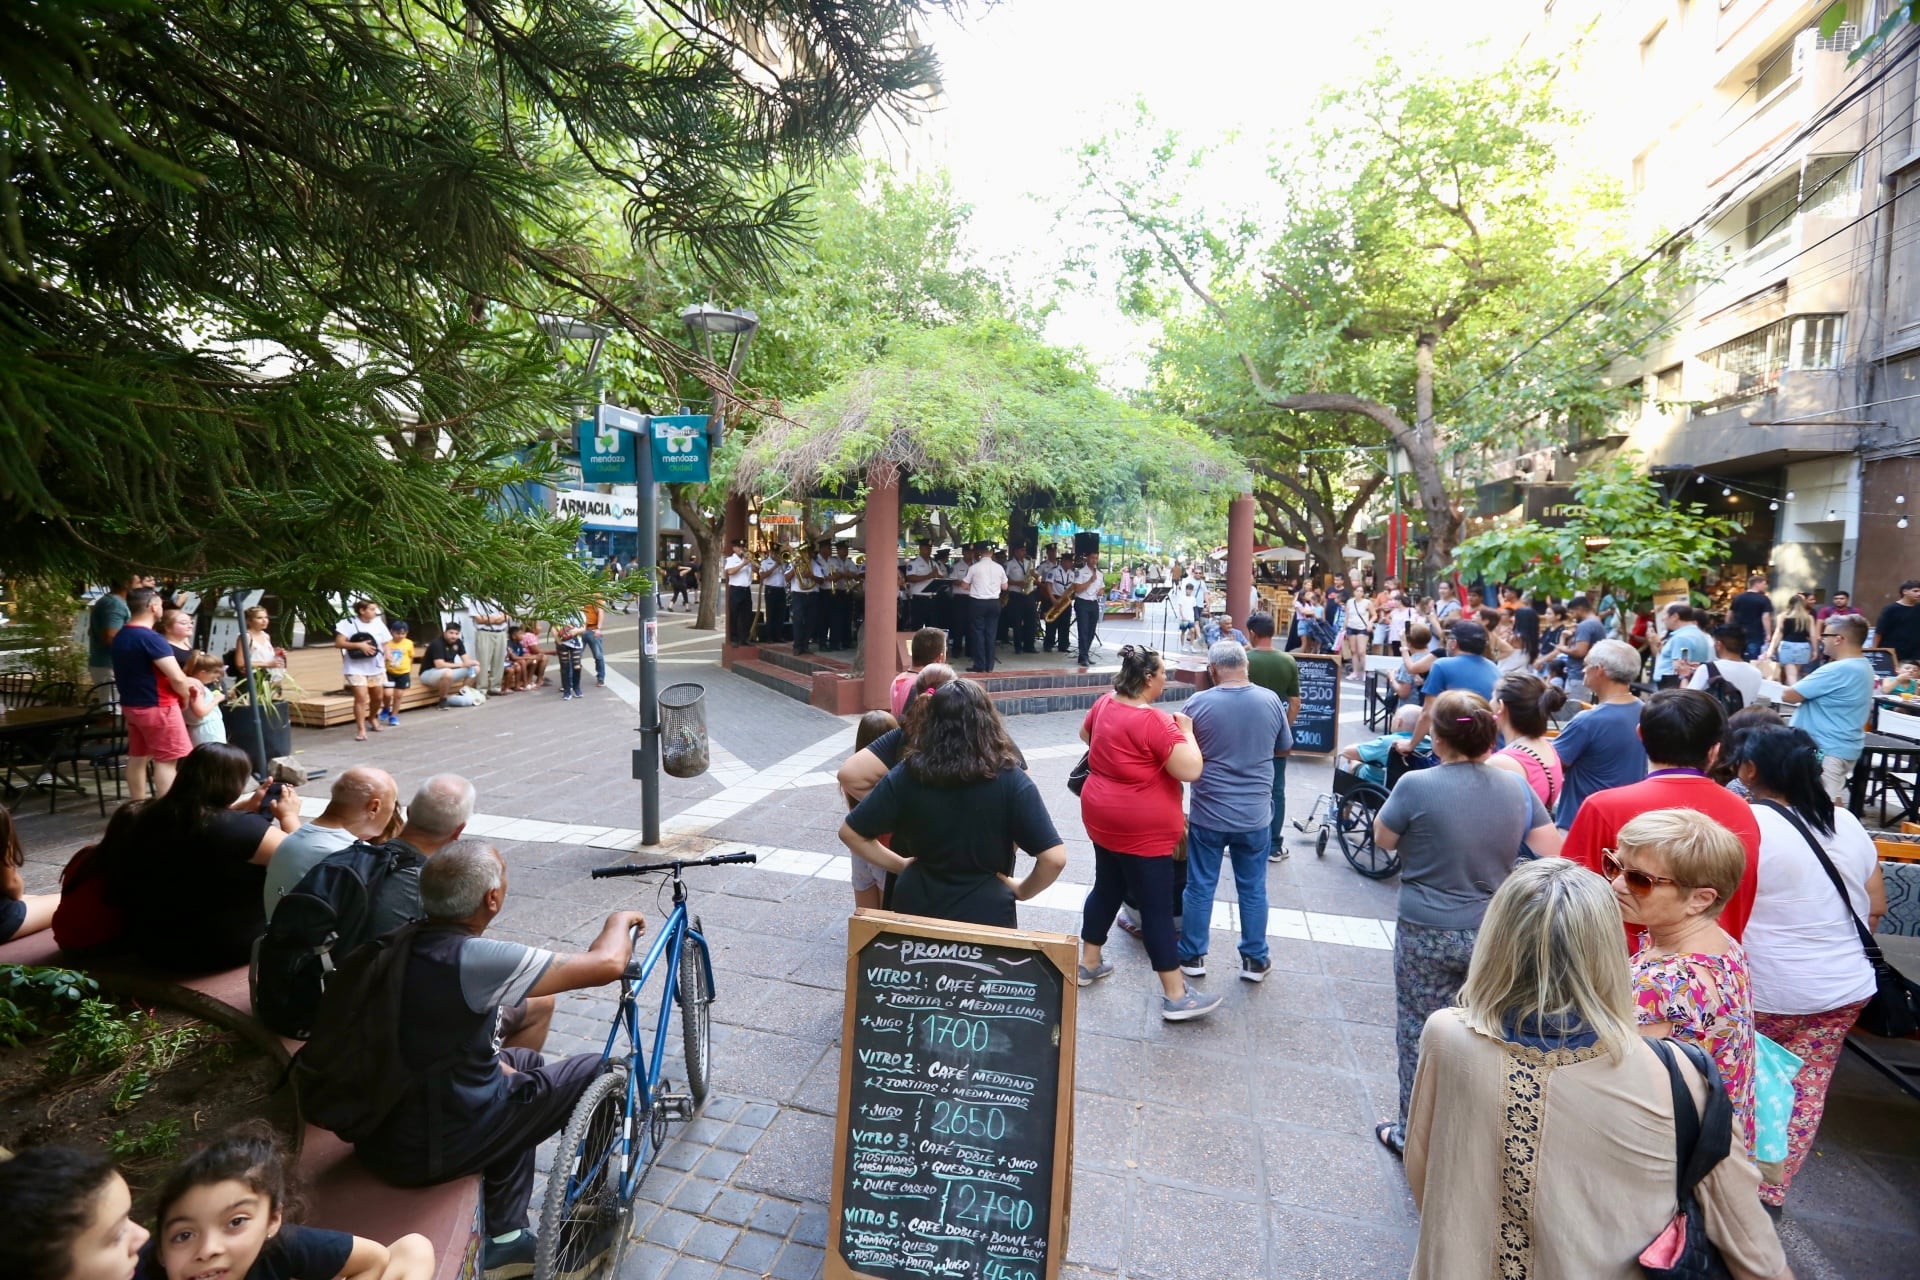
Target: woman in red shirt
1137 757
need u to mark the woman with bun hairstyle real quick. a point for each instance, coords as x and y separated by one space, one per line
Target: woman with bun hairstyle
1457 828
1522 706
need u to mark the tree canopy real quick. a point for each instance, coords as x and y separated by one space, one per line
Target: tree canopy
269 268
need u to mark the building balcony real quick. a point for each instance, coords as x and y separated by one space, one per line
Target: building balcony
1820 73
1763 418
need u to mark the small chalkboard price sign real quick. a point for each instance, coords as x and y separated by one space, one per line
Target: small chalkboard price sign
1317 729
1885 663
954 1149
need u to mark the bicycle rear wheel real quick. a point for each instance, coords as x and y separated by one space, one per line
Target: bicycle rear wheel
584 1220
696 1029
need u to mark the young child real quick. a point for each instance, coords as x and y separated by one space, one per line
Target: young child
224 1212
568 641
1371 755
1906 680
72 1218
869 881
209 669
399 669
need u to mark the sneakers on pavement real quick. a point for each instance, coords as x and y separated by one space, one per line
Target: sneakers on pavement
509 1261
1279 854
1255 970
1090 976
1194 968
1184 1008
1128 925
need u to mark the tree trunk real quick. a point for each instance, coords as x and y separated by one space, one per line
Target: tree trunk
706 534
1443 519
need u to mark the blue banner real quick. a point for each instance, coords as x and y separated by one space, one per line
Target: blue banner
607 453
680 449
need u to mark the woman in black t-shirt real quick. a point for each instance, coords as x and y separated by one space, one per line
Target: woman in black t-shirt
960 800
191 873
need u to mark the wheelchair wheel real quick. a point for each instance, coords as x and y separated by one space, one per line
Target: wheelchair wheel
585 1221
1320 841
1353 828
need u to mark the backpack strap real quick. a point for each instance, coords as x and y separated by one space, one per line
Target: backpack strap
1867 943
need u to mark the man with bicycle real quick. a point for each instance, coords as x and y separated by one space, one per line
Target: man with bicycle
472 1015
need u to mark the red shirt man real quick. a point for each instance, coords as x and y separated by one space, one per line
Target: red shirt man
1680 729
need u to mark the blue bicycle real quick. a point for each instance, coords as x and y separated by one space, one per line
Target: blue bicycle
620 1123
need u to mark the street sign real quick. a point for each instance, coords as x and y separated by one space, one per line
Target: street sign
596 506
607 447
680 448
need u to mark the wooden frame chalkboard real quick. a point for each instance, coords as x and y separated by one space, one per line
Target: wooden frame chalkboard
1060 953
1317 731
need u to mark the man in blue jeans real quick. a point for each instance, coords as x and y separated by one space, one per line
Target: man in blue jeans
1240 727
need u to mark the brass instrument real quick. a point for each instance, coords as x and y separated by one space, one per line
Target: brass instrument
1061 605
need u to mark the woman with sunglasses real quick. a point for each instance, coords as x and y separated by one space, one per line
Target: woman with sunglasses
1541 1137
1673 870
1810 976
1457 828
960 800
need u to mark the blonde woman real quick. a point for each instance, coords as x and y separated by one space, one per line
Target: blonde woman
262 654
1538 1082
1792 642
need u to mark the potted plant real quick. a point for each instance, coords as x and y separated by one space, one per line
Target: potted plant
272 733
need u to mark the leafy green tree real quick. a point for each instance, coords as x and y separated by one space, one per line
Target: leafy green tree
1397 272
1621 530
269 268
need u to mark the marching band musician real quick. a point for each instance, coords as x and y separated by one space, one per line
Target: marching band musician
985 581
1088 584
740 572
1021 583
921 572
1053 589
804 596
773 592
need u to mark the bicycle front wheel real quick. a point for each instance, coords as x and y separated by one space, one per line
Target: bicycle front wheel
696 1028
584 1220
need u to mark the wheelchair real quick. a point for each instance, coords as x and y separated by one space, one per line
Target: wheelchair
1345 815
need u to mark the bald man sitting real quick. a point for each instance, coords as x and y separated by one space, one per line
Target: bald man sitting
359 808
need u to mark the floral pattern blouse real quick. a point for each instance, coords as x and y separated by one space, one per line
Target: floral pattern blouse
1709 1003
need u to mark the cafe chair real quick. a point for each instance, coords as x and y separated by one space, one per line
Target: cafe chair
55 693
99 746
16 688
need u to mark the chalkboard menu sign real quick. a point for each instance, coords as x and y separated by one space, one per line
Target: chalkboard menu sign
1317 729
1885 663
953 1152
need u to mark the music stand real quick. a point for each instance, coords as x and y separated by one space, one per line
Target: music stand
1158 595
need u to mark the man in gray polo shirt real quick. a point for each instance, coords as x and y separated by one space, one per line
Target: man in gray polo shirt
1240 727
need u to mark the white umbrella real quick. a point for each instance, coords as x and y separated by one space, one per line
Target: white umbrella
1272 554
1355 553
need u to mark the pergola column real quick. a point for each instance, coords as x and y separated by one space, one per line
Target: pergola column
1239 558
877 643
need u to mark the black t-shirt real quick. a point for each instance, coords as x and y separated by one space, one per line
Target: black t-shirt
962 839
438 651
1747 610
1899 630
193 896
294 1253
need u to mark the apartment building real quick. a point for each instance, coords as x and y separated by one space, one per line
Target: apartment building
1787 392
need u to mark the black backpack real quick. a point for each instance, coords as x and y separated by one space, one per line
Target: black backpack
351 1073
1722 690
328 913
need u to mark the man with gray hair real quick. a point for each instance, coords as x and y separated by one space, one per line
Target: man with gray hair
471 1020
358 808
1600 747
1239 727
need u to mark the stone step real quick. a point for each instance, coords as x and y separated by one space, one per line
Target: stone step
1032 702
777 678
805 664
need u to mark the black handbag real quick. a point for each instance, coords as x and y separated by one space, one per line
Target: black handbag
1894 1009
1700 1142
1078 777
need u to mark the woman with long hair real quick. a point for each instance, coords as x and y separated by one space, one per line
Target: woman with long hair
21 913
962 803
1540 1140
261 653
1309 620
1792 642
1809 974
1523 705
1457 828
1137 757
191 876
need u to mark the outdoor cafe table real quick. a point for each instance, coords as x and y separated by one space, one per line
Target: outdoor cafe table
1897 717
1894 762
25 737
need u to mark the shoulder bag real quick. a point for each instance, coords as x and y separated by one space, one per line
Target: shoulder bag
1700 1141
1894 1009
1077 777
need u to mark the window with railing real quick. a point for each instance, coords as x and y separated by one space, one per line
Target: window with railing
1752 363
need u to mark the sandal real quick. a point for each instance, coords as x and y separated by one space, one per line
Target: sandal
1392 1137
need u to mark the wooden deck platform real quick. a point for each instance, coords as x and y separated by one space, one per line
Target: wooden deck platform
322 698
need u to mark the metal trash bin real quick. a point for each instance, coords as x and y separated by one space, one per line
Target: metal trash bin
683 730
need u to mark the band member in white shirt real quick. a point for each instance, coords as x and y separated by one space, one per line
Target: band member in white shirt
1053 588
1022 581
803 596
840 599
773 590
921 572
1088 585
959 613
985 581
739 571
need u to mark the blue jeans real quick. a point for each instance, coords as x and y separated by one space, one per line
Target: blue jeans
1277 828
1248 849
592 637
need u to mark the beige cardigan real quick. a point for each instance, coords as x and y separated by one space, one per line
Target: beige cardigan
1557 1166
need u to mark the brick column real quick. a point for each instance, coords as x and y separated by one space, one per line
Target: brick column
877 642
1239 558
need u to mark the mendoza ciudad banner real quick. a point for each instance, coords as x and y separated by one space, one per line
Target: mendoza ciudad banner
680 449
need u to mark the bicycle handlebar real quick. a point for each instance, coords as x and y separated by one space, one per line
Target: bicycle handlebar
675 866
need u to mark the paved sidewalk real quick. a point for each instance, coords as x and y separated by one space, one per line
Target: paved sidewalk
1237 1146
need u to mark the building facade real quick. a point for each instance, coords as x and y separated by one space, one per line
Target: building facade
1786 390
